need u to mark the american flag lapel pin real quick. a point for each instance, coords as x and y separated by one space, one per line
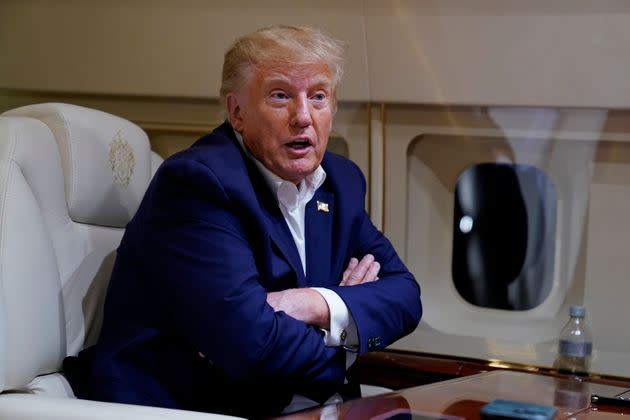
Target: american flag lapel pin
321 206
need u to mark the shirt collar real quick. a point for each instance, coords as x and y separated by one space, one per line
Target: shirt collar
285 191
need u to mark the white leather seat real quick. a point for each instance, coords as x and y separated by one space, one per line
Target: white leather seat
70 180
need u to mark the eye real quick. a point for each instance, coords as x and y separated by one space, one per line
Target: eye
319 100
319 97
279 95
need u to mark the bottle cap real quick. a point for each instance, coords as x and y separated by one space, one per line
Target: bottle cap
577 311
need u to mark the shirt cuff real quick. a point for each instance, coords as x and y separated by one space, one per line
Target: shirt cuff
351 357
343 330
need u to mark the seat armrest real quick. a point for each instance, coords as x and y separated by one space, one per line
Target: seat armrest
35 407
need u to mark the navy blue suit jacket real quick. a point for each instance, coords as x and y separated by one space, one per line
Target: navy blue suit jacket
192 273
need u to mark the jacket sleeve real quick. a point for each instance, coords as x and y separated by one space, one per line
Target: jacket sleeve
389 308
204 266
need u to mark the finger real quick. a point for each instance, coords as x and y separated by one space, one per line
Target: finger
351 266
357 275
372 273
274 299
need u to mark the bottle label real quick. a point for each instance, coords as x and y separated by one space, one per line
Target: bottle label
576 349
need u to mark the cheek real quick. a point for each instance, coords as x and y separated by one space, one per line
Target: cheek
326 118
325 127
272 123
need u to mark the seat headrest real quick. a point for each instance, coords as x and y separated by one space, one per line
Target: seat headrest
106 161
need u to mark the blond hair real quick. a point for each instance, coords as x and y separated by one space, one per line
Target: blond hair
280 44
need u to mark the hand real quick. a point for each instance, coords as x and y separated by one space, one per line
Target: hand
361 272
302 304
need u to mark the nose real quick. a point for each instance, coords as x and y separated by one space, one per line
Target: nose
301 115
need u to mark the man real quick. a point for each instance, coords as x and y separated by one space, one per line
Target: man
251 275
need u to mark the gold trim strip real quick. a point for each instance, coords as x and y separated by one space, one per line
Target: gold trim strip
499 364
175 128
384 163
368 198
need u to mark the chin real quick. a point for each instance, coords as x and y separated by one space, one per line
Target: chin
300 171
295 176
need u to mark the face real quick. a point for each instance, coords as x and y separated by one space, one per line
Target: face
285 116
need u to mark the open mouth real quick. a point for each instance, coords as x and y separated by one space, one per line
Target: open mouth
299 144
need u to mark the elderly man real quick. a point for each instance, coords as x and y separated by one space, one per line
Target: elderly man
251 276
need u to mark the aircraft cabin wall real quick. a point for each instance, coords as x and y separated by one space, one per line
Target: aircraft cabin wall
508 115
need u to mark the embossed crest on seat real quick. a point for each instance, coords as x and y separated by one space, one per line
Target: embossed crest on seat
122 160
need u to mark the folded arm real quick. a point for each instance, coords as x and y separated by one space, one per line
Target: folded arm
210 286
308 305
387 309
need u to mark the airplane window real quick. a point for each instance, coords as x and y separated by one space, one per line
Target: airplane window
504 235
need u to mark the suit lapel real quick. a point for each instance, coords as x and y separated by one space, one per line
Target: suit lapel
278 230
318 230
281 236
258 197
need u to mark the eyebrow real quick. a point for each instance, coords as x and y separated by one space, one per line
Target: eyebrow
318 80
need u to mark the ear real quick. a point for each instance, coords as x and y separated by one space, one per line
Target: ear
234 111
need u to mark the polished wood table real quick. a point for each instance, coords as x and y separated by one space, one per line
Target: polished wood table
464 397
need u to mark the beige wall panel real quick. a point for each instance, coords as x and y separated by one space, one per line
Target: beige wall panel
499 52
157 47
352 127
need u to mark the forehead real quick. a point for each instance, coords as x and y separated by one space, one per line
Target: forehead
316 74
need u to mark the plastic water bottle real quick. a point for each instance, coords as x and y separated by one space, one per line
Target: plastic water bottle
575 345
572 394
